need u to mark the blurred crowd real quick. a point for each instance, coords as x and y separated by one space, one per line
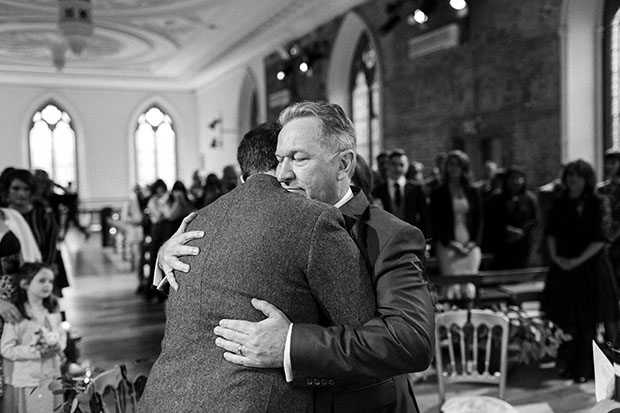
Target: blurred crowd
45 211
571 225
156 212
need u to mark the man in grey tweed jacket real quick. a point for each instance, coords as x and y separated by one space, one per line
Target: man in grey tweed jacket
261 241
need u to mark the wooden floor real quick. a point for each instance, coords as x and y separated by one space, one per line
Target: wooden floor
117 326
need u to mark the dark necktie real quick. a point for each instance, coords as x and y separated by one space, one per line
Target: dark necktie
397 198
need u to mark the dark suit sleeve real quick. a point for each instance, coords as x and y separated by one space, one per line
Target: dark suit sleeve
337 274
399 340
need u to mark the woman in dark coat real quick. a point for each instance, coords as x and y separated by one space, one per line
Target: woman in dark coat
40 218
513 216
611 189
580 290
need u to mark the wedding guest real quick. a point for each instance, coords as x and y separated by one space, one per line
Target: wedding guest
156 209
196 192
213 188
456 217
382 167
230 179
179 206
415 172
580 290
401 197
611 189
41 221
11 258
437 173
30 368
3 184
512 218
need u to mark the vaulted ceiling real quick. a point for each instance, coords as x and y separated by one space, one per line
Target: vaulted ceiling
153 43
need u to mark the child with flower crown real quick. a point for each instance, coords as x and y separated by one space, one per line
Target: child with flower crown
30 349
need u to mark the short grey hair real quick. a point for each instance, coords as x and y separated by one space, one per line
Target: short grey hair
337 130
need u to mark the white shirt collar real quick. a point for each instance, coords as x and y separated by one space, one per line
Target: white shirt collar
401 181
346 198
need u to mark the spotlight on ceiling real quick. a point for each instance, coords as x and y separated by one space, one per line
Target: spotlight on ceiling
304 66
417 17
294 50
458 4
281 75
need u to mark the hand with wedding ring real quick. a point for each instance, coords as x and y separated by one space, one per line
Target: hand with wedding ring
251 344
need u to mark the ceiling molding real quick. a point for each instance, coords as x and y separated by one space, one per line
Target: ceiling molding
153 43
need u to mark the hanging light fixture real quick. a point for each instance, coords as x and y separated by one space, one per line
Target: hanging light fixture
75 22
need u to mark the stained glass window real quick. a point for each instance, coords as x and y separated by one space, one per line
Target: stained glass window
155 143
52 144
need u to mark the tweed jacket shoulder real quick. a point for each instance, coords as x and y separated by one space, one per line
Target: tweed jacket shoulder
262 242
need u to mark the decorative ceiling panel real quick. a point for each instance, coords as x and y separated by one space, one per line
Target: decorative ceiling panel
180 41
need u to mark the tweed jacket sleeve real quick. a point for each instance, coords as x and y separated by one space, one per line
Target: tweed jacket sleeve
337 273
398 340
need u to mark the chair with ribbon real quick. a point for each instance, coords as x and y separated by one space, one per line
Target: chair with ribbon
119 389
471 346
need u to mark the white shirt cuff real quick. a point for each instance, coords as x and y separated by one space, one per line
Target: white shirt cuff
288 368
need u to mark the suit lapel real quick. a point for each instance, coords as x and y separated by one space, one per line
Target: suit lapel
356 213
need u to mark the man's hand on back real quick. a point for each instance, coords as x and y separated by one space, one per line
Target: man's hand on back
251 344
167 256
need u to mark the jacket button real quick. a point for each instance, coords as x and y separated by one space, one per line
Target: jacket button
331 382
309 382
317 381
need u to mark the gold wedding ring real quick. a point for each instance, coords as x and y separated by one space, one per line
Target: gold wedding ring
240 349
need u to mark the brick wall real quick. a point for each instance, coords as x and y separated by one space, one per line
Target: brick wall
496 93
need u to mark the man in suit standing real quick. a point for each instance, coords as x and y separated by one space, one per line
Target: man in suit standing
351 368
401 197
261 241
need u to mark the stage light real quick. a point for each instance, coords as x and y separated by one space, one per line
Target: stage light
281 75
294 50
458 4
304 66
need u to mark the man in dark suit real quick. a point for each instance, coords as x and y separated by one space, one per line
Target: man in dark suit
261 241
401 197
351 368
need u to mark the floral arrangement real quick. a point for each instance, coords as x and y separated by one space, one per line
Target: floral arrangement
532 337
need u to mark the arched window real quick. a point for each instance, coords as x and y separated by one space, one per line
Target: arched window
612 74
364 89
52 144
155 142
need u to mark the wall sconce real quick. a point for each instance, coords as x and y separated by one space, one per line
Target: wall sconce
214 123
218 140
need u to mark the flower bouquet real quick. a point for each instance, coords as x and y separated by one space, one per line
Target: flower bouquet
47 342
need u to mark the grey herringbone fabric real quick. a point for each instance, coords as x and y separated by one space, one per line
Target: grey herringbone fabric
266 243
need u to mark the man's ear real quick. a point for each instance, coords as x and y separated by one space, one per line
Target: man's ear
346 164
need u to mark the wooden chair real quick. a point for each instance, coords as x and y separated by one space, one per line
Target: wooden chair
474 340
119 389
